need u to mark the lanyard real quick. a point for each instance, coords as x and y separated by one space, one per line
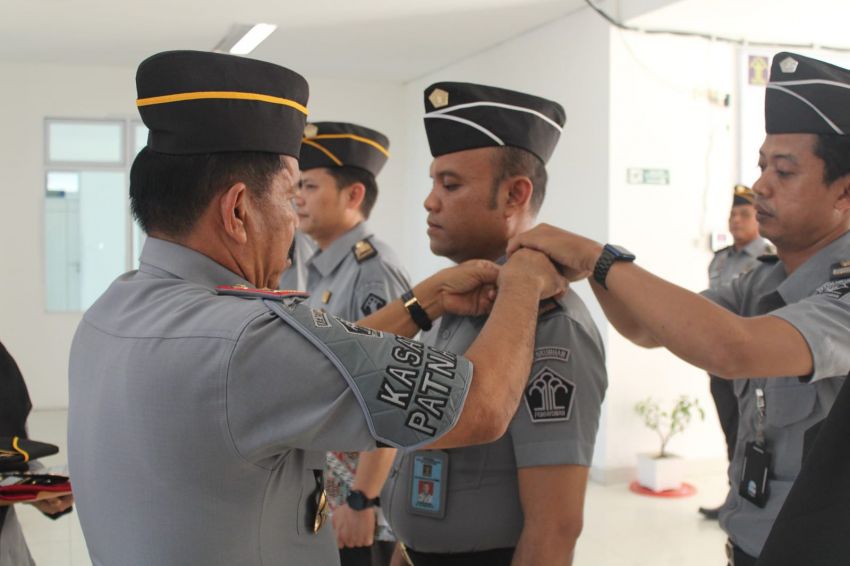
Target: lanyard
760 415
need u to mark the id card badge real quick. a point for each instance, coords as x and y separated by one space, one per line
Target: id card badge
754 478
429 474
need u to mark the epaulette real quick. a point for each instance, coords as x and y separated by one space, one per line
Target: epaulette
548 305
250 293
840 270
768 258
363 250
727 248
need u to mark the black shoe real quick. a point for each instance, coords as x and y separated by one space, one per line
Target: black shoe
710 513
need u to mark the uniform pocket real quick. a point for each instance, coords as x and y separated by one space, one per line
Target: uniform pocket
788 404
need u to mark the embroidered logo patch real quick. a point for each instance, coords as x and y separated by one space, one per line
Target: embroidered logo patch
372 303
352 328
320 318
551 353
835 289
549 397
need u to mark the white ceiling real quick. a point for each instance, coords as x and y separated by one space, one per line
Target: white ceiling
395 40
818 22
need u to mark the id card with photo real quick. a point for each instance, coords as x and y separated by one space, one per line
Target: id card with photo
428 483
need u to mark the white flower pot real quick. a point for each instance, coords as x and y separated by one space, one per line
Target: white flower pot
660 474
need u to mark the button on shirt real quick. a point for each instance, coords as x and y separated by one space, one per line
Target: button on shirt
483 509
815 301
197 420
729 263
353 289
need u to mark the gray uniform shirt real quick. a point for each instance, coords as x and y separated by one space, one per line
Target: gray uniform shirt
352 288
814 300
556 423
197 420
729 263
295 277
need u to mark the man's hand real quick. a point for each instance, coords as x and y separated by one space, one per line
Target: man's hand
53 505
575 254
353 528
469 289
535 266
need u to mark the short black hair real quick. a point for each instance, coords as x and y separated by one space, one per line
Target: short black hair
169 193
834 150
346 176
512 162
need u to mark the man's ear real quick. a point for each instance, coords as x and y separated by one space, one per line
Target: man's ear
518 195
843 202
233 211
356 193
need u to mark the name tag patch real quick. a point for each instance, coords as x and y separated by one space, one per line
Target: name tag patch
320 318
372 303
549 397
835 289
551 353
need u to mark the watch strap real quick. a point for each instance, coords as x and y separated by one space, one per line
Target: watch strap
417 313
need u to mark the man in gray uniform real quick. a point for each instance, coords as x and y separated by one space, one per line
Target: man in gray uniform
730 262
351 275
520 498
788 319
295 275
200 415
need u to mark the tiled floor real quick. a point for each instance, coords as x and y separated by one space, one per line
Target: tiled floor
621 528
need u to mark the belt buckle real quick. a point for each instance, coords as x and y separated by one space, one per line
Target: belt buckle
730 553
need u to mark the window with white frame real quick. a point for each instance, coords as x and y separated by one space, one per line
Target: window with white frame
89 237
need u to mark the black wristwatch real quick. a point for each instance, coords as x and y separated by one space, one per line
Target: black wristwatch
610 255
417 313
358 501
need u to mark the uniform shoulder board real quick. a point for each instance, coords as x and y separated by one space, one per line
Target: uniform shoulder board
363 250
726 249
250 293
768 258
548 306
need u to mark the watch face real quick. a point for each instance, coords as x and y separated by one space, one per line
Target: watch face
620 252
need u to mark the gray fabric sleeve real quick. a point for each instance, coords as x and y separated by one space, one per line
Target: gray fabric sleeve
378 284
283 393
410 394
558 418
824 321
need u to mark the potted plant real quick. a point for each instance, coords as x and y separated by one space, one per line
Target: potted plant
663 471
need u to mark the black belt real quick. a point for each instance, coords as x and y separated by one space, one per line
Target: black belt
737 557
494 557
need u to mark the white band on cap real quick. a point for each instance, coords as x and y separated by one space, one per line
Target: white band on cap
776 86
499 105
479 127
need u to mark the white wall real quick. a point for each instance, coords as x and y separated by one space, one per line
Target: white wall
663 116
40 341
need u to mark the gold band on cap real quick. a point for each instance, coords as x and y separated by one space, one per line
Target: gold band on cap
323 149
206 95
354 137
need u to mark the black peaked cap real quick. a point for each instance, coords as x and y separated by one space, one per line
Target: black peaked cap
460 116
743 195
806 96
340 144
199 102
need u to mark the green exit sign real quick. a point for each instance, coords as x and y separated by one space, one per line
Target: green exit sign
639 176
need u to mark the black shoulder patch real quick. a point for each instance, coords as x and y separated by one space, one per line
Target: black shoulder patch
835 289
726 249
768 258
363 250
372 303
251 293
549 397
